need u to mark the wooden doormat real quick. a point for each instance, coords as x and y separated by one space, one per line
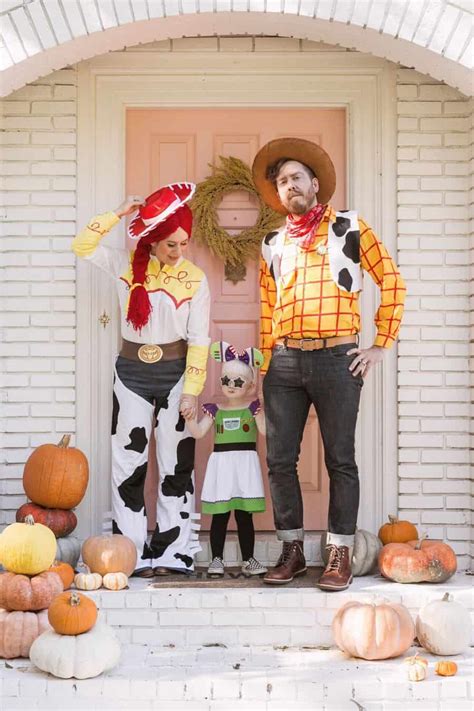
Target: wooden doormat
233 578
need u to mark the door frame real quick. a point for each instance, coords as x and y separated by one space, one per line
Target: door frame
108 85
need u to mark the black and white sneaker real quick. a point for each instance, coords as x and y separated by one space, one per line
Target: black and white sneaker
216 568
253 567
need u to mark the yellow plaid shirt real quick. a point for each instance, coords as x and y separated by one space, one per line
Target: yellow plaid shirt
311 305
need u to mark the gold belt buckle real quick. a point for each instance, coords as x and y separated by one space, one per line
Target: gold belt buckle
150 354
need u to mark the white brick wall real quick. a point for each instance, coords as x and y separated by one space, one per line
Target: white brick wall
435 185
433 194
37 318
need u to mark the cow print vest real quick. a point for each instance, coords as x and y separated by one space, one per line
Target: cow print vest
343 251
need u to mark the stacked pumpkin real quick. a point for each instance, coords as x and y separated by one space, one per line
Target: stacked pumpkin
76 646
27 551
406 558
55 478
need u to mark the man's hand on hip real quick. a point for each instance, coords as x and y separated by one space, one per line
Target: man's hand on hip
366 358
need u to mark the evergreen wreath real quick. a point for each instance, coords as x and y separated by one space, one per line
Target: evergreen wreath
234 250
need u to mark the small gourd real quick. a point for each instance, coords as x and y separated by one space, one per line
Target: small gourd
446 668
417 668
88 580
115 581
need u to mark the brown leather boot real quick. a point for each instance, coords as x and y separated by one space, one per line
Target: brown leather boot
290 564
337 574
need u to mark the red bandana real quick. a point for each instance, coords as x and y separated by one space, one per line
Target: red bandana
303 229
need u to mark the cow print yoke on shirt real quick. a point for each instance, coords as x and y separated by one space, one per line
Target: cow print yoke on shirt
344 251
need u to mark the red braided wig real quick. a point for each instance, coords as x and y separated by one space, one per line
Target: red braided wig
139 306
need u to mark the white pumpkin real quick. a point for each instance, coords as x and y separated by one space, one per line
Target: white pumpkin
88 580
80 656
366 551
444 627
115 581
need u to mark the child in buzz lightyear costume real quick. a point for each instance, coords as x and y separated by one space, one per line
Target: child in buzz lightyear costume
159 372
233 480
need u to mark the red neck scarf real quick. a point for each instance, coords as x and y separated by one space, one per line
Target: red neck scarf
139 306
303 229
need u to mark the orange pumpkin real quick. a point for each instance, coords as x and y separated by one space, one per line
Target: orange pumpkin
446 668
110 553
65 572
18 631
56 476
20 592
72 613
418 561
396 531
61 521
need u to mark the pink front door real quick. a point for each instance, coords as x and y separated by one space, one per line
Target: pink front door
170 145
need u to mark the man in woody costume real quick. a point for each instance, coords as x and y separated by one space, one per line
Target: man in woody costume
159 372
310 278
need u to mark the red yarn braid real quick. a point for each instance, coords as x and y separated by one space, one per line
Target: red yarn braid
139 306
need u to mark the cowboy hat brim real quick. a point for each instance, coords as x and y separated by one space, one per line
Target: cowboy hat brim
139 227
302 151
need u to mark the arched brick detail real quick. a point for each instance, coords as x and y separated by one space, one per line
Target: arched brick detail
433 37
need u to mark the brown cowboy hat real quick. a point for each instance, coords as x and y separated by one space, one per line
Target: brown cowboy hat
298 149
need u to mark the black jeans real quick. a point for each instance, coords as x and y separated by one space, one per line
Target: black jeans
295 380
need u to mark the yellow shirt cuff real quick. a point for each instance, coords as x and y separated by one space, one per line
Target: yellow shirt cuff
384 341
195 373
87 241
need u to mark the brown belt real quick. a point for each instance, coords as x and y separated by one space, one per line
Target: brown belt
153 353
315 344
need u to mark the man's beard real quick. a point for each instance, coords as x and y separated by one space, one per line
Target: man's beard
299 204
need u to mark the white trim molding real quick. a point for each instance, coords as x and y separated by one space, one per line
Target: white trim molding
108 85
435 38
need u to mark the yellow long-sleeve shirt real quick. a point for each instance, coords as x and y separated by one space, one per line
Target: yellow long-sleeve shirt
307 303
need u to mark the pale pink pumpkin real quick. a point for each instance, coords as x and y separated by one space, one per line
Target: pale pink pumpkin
18 631
372 631
20 592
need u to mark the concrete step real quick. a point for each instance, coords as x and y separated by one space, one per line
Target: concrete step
219 678
210 613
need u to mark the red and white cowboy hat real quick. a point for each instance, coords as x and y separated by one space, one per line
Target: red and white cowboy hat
158 207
